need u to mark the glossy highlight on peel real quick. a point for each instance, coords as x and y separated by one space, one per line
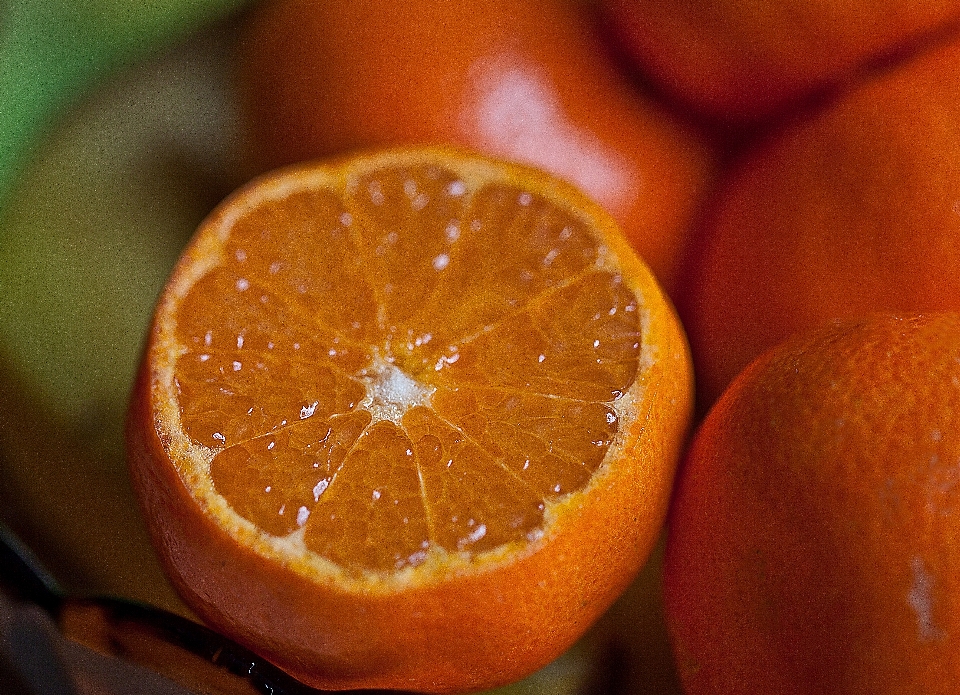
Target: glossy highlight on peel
395 373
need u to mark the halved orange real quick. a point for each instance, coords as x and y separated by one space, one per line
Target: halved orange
408 419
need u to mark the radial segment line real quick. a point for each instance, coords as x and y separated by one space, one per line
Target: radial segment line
455 252
360 221
345 340
343 461
497 461
518 221
286 423
526 391
309 358
427 512
559 453
524 306
287 310
547 444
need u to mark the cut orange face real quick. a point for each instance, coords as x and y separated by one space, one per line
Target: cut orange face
408 420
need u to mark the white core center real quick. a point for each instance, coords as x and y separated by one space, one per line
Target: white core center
391 393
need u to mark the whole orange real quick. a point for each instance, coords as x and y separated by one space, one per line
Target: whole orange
749 60
529 82
812 541
852 211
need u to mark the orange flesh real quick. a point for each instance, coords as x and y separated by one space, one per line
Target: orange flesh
384 380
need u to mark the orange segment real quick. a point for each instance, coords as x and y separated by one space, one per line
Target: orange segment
581 341
276 479
396 377
373 516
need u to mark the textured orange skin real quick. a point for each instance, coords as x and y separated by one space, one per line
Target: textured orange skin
527 81
813 542
848 213
745 61
469 632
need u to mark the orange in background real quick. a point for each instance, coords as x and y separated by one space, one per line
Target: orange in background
409 420
812 539
749 60
525 81
852 211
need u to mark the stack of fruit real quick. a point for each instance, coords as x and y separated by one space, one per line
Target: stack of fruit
417 402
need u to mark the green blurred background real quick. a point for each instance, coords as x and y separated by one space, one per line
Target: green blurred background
118 133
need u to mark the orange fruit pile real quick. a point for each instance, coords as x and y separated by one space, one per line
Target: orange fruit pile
408 419
813 537
850 211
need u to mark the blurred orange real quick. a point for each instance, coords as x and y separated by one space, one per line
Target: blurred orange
812 539
531 82
852 211
747 60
